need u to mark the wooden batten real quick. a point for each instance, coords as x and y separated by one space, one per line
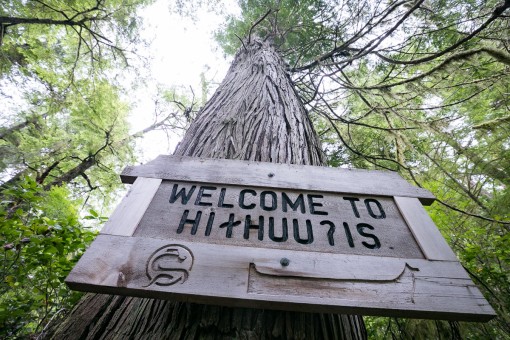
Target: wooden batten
431 242
240 276
271 175
130 211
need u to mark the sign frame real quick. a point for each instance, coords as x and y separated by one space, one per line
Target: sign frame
435 287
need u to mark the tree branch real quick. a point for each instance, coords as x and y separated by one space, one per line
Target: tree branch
9 131
497 13
491 124
256 23
505 223
11 21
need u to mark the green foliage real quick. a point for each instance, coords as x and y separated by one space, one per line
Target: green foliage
79 136
293 25
420 88
41 241
68 122
67 34
64 139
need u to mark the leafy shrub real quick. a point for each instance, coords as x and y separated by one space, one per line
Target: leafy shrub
40 239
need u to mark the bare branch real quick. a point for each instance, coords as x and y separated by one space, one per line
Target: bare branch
505 223
495 15
256 23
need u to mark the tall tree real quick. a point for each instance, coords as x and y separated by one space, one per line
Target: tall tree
255 114
419 87
65 118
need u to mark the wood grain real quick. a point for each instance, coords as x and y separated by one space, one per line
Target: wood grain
163 219
431 242
129 212
271 175
252 277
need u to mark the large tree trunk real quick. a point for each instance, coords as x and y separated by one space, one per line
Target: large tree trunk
254 115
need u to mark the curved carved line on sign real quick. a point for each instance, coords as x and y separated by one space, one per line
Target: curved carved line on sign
358 273
169 264
312 287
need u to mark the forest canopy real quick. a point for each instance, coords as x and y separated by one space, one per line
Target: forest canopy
419 87
64 138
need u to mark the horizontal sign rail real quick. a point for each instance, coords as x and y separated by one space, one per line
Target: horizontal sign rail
272 175
251 277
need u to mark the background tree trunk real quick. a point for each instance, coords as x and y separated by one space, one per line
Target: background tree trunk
254 115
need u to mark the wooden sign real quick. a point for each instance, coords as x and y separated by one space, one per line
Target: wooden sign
278 236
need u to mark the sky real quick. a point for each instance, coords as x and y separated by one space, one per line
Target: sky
180 49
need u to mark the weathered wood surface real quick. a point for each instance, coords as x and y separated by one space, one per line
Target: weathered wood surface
238 276
130 211
271 175
347 224
431 242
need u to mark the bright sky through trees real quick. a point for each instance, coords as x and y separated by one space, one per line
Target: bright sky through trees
181 48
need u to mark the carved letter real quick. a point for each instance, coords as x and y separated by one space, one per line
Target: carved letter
331 231
248 226
222 199
353 205
376 244
201 194
210 221
312 205
241 198
185 220
348 235
182 194
274 203
382 214
230 225
299 202
285 233
309 231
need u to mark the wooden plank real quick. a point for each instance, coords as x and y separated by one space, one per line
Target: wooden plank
350 224
254 277
129 212
431 242
271 175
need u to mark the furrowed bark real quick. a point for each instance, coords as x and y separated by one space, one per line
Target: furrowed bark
254 115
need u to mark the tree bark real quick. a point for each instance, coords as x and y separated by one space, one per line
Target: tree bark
254 115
